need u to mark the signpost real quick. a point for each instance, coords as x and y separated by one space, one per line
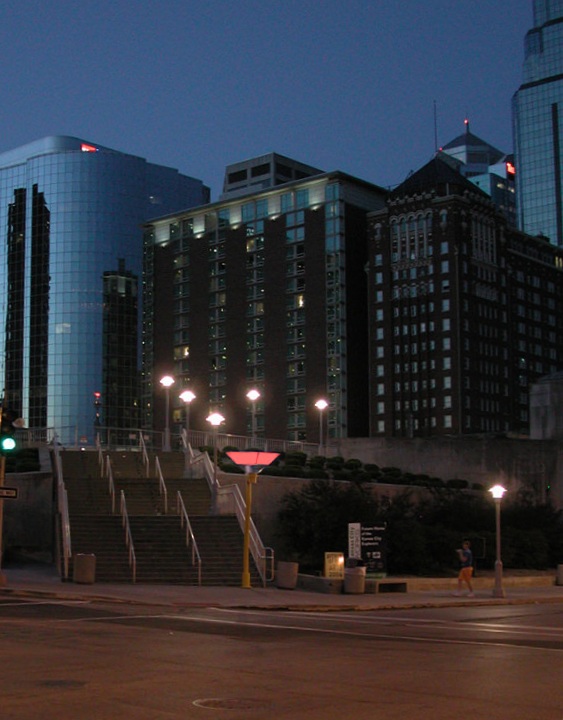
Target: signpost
368 543
334 565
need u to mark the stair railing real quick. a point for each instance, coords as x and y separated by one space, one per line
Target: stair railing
128 537
144 453
190 537
161 484
62 503
231 495
111 484
100 455
263 556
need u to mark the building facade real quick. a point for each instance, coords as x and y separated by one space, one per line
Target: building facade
69 209
466 312
269 291
120 367
488 168
538 126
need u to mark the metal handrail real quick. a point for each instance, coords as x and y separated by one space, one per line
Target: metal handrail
128 536
184 519
62 503
100 455
161 484
263 556
111 483
206 438
144 452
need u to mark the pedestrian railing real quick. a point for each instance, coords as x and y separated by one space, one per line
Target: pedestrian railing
128 537
111 483
62 506
190 537
161 484
229 498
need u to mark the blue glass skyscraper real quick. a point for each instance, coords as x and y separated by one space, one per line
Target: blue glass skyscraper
538 126
70 211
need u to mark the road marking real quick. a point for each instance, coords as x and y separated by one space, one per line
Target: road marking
23 603
470 625
351 633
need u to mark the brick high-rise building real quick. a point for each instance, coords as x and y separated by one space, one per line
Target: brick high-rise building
465 311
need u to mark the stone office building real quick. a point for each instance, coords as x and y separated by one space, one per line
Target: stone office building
465 311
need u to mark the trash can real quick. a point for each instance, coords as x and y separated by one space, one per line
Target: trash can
286 574
355 580
559 578
84 568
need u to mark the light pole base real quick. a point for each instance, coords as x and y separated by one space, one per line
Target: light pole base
246 581
498 590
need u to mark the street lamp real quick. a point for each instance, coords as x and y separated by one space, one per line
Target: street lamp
215 419
321 405
497 492
166 383
253 396
187 396
253 462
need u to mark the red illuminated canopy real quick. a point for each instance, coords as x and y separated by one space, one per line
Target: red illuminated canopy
88 148
250 458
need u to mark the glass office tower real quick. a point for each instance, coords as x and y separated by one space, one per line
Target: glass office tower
70 211
538 126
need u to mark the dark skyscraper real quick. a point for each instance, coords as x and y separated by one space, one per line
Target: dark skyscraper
538 126
120 389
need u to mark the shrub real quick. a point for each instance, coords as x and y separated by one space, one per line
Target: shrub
457 484
353 464
371 467
316 473
296 458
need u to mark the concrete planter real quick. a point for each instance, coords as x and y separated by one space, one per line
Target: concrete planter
286 574
355 580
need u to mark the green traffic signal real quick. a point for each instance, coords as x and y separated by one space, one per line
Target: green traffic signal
7 444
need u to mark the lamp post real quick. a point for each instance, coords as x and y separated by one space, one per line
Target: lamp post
253 396
215 419
167 381
187 396
497 492
253 462
321 406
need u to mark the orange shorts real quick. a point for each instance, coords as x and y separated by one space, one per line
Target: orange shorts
465 574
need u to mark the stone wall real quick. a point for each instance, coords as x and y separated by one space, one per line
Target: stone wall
518 464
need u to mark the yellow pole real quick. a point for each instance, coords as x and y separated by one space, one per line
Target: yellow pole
250 480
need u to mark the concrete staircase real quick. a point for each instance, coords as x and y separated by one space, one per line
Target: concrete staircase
158 538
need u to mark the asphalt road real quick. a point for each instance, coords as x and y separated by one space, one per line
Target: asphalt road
85 660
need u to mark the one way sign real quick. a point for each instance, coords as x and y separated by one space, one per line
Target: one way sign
8 493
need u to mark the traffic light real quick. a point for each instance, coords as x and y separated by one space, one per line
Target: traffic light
8 442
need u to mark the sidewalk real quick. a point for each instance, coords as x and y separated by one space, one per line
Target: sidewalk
35 581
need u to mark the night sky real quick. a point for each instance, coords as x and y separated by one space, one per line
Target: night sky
345 85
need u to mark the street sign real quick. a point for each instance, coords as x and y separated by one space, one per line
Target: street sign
8 493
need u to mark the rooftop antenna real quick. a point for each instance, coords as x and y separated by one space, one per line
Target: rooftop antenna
435 129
